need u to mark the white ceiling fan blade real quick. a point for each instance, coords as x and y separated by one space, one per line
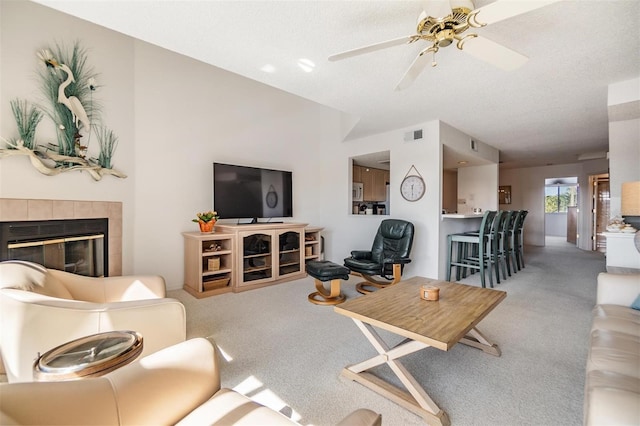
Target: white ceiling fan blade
494 53
436 8
415 69
372 48
504 9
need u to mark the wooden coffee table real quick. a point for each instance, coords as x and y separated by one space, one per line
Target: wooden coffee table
440 324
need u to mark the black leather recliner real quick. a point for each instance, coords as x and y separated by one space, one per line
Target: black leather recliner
387 257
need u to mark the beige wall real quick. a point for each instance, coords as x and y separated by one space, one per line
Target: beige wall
624 157
26 28
478 186
623 103
174 117
527 192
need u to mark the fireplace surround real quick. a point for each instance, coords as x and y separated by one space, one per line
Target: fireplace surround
19 209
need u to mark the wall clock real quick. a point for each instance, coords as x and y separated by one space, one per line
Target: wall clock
272 197
413 187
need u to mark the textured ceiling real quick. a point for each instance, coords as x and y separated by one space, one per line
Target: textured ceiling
549 111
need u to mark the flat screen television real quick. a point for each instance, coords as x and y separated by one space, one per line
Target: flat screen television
241 192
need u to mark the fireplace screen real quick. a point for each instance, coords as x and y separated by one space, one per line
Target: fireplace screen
76 245
79 255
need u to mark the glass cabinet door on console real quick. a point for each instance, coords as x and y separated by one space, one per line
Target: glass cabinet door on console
257 257
290 258
267 253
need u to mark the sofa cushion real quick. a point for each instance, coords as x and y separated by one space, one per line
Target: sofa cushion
614 351
616 311
617 289
609 406
611 399
228 407
609 379
616 318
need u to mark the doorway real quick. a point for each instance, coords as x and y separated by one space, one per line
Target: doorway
600 211
561 208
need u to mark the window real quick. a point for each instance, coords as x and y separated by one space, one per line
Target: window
559 197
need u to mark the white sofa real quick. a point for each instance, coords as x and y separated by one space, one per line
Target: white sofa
43 308
177 385
612 388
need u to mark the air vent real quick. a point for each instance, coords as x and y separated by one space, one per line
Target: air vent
413 136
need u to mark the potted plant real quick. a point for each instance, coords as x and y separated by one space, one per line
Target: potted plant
206 220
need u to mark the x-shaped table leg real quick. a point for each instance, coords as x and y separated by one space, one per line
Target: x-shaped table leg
416 400
477 340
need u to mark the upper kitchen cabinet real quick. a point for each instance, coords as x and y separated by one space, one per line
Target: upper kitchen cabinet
370 180
374 182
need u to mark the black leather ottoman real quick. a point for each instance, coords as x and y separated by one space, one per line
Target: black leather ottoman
322 271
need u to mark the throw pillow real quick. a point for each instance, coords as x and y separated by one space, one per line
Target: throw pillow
636 303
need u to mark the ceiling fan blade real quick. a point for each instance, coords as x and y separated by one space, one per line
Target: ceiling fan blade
504 9
419 63
493 53
436 8
372 48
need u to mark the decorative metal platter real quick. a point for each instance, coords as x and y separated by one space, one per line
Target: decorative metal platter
89 356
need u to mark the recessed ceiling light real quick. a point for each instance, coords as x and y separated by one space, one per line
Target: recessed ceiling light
306 65
462 163
268 68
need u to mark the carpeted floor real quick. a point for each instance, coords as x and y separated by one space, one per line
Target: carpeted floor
288 353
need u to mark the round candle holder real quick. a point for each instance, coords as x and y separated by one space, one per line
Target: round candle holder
428 292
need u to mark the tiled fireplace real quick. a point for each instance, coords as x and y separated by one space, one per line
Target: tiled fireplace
41 211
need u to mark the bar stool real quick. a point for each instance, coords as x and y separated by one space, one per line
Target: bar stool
494 253
498 257
471 250
517 238
506 247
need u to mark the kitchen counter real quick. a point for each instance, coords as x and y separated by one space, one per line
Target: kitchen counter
461 216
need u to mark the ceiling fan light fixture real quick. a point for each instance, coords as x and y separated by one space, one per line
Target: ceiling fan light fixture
445 37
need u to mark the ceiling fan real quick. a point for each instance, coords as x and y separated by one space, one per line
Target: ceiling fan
444 22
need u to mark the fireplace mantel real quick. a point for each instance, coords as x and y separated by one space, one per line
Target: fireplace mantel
17 209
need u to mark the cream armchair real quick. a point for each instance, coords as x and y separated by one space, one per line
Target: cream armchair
177 385
42 308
